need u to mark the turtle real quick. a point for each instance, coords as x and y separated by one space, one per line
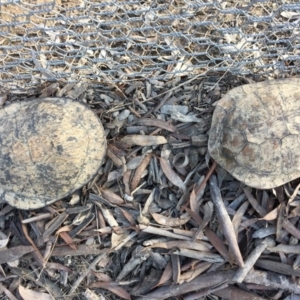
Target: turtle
50 147
255 133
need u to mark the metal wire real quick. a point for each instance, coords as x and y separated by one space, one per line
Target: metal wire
97 41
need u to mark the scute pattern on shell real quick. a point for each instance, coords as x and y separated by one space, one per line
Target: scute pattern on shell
50 147
255 133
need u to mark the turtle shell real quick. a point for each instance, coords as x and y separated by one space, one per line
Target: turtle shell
50 147
255 133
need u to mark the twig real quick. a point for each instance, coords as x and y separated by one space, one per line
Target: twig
277 267
273 280
210 171
37 218
288 249
251 259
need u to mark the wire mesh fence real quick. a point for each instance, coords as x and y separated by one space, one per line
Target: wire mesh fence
97 41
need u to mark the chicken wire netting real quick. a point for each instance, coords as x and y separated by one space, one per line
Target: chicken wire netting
101 41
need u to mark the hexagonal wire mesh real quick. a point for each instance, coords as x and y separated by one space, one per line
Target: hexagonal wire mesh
98 41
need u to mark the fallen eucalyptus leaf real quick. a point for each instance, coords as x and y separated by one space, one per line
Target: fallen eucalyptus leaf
143 140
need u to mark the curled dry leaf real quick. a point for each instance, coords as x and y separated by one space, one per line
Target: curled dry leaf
150 199
126 179
102 276
185 118
180 160
295 212
172 222
114 175
167 274
28 294
108 216
69 241
116 160
117 151
4 241
135 162
90 295
143 140
272 215
170 174
193 201
193 273
217 243
7 292
139 171
111 196
129 217
3 98
113 287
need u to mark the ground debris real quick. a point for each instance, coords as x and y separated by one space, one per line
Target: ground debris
156 222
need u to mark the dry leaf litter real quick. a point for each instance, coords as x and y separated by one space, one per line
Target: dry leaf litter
160 220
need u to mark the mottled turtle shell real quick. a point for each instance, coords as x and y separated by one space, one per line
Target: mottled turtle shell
50 147
255 133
